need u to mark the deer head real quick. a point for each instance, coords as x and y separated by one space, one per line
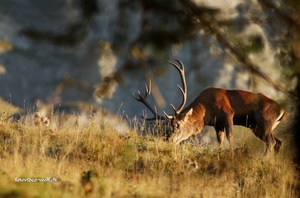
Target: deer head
178 121
181 127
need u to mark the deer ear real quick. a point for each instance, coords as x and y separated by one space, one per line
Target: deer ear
188 114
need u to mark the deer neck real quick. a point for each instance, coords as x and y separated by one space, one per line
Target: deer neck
197 118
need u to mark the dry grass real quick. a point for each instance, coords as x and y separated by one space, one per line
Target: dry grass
128 165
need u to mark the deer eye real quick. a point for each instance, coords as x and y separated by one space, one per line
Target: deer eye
176 126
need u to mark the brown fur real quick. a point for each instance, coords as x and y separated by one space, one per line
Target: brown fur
222 109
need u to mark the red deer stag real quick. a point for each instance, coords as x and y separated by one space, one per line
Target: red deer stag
221 109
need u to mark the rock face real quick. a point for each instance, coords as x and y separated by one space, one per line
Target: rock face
61 51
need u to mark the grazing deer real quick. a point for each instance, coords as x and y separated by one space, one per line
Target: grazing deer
221 109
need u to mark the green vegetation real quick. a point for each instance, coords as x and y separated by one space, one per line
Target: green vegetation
96 160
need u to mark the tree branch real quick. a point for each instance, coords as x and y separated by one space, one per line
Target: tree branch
250 66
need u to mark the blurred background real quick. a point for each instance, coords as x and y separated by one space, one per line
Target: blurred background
97 52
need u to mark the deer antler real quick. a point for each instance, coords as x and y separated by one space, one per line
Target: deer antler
143 99
183 89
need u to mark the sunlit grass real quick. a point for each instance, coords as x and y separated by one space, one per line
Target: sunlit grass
128 165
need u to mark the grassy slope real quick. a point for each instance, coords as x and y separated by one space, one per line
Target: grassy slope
129 165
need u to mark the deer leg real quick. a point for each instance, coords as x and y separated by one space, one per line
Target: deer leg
220 137
277 145
266 136
229 131
220 133
278 142
270 142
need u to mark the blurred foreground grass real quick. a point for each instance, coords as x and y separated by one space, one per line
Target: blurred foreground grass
123 164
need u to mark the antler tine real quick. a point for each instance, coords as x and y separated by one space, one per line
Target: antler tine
173 108
135 97
143 100
148 88
181 68
175 65
167 115
180 63
183 89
